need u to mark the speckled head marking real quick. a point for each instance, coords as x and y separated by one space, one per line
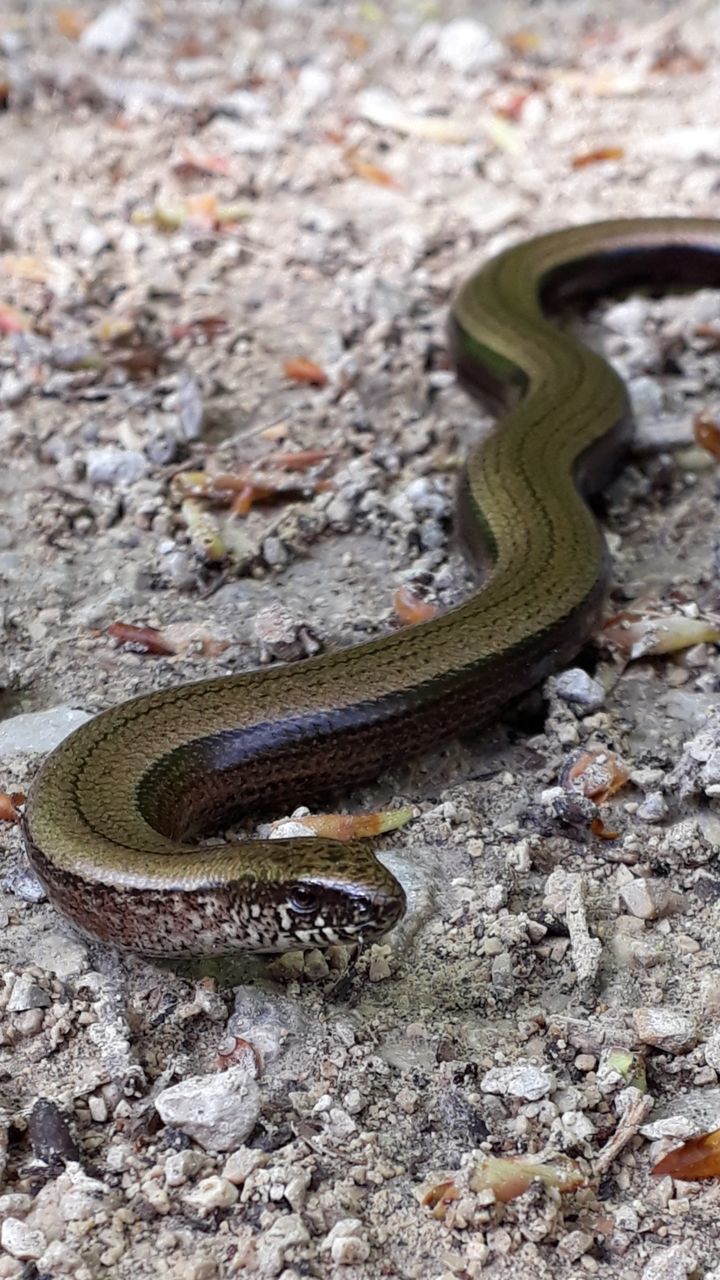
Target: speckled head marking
269 907
111 813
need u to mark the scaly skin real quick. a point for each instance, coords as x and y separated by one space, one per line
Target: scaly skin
112 810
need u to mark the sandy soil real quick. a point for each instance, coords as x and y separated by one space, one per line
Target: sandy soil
192 195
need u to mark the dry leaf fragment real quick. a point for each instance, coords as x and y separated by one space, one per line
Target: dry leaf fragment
190 163
439 1197
597 156
503 134
342 826
300 459
523 41
635 635
9 802
115 330
12 320
299 369
382 109
239 1052
70 23
144 639
696 1159
509 1178
251 492
677 61
368 171
201 211
203 530
597 774
410 609
598 828
206 327
706 430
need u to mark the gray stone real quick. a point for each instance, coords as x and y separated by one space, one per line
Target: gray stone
577 687
26 994
217 1111
39 731
653 808
59 953
115 466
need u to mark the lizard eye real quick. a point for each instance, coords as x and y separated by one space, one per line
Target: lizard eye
304 899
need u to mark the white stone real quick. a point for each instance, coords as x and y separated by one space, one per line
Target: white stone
218 1111
213 1192
467 45
521 1080
20 1240
181 1165
113 31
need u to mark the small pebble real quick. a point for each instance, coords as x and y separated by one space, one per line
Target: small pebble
21 1240
114 31
346 1242
466 45
218 1111
522 1080
664 1028
214 1192
111 466
26 994
579 689
650 899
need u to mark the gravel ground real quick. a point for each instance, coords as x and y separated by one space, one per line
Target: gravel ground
193 198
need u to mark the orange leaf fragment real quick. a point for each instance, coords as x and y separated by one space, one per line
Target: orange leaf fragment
697 1158
598 774
706 430
298 369
9 802
191 163
237 1053
342 826
207 327
410 609
678 62
248 495
146 639
300 459
70 23
598 156
12 320
368 171
439 1197
598 828
523 41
